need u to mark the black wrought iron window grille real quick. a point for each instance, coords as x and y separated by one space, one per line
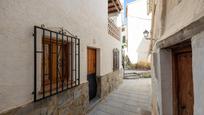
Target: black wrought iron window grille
56 62
115 59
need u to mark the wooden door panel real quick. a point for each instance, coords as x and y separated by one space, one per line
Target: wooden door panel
185 84
91 70
91 61
183 81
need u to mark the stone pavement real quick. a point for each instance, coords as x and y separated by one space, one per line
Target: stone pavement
133 97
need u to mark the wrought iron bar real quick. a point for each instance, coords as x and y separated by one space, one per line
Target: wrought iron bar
67 62
57 60
75 63
71 63
78 61
50 63
35 64
47 88
43 70
62 61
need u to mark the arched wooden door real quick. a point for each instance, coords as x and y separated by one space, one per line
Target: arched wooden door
91 70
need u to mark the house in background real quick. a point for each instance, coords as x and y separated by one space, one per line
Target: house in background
178 52
138 22
143 51
57 57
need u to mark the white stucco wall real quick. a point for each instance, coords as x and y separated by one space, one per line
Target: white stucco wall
86 19
143 50
181 15
198 67
166 23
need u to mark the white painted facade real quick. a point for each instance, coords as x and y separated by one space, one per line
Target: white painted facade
86 19
169 18
143 51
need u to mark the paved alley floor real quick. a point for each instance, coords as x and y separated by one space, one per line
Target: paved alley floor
133 97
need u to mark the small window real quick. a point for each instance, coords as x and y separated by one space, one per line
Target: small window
115 59
124 39
56 62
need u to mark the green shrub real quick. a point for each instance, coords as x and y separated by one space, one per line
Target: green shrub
146 75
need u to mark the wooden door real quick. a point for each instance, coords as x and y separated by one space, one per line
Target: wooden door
91 65
184 81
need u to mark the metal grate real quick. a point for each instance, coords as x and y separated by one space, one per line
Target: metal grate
56 62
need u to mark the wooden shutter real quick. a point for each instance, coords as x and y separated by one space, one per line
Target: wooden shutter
65 76
115 59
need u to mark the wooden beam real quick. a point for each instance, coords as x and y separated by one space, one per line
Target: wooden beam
113 11
115 5
112 6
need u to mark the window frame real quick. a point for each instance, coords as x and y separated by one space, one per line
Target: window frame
116 62
53 39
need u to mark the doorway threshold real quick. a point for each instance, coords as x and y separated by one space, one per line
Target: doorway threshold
93 103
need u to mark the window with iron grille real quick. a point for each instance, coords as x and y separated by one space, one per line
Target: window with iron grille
115 59
56 62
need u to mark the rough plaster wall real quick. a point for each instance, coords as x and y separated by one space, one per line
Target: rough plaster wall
158 82
181 15
171 4
166 81
157 25
178 14
156 85
86 19
198 67
162 81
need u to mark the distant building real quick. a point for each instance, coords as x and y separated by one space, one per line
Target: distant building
138 22
143 51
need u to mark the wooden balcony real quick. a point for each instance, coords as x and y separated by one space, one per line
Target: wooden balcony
114 6
113 30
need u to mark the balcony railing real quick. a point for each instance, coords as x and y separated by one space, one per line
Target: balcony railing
113 30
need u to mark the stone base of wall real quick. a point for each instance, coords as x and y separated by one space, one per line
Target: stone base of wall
71 102
109 82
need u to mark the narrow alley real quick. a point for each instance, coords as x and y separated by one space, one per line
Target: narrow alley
101 57
131 98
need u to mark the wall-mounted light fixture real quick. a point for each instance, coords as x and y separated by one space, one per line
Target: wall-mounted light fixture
146 35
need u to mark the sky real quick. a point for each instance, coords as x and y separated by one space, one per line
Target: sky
125 4
128 1
138 22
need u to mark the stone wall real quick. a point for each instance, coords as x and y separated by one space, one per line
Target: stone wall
72 102
109 82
